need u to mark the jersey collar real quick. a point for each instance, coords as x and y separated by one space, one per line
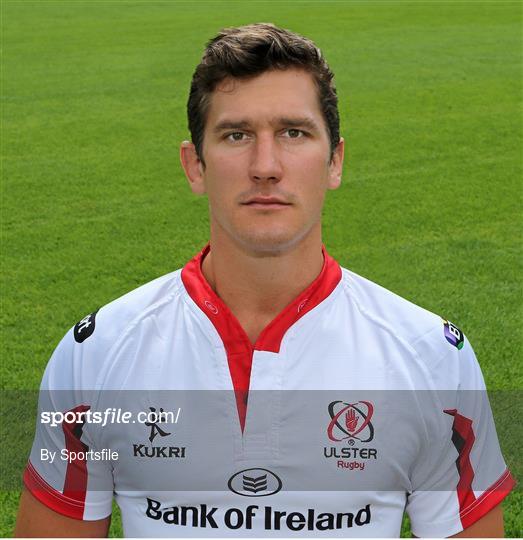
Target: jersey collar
238 348
227 325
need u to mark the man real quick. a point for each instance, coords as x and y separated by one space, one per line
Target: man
263 313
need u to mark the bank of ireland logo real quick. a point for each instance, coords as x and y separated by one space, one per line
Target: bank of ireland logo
453 334
351 421
255 483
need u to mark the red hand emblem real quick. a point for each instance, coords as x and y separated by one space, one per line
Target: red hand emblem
351 420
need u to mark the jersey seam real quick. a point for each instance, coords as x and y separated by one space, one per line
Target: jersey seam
384 325
484 496
35 475
478 502
49 489
99 384
108 364
315 311
186 298
378 321
386 328
410 345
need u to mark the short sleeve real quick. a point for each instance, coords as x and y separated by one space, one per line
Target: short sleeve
460 475
66 471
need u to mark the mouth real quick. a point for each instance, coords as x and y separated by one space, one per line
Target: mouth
266 203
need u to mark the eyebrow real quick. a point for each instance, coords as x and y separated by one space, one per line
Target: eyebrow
305 122
227 124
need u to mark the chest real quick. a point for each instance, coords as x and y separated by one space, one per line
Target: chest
316 420
318 413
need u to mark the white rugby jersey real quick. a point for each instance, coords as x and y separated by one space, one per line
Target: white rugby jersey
353 406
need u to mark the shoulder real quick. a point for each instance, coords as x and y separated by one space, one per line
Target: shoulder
389 310
433 343
80 357
112 320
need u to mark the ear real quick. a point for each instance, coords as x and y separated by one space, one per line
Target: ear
336 166
193 167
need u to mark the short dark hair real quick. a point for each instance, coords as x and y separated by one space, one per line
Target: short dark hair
247 51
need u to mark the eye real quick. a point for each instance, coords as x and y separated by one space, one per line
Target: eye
236 136
293 133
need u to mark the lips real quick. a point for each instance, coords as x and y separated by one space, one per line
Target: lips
266 202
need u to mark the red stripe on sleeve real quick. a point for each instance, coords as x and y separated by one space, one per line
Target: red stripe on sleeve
50 497
463 438
75 484
488 500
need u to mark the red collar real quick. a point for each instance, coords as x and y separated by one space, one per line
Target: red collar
226 324
237 345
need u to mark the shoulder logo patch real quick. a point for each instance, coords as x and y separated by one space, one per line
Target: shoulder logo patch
84 328
453 334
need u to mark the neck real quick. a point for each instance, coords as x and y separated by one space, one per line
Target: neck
257 287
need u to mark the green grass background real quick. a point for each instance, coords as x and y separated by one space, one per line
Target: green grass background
94 202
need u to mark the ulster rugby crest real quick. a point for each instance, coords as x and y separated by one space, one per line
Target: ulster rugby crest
351 421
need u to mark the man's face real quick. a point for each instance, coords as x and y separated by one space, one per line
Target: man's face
267 161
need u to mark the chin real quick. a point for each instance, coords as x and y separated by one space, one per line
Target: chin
269 244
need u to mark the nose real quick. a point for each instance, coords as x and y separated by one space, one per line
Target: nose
265 163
